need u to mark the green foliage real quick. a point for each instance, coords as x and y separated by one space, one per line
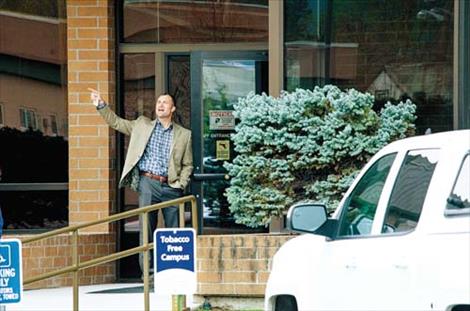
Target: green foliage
305 145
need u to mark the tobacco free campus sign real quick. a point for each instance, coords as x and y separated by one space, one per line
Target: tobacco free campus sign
175 261
11 281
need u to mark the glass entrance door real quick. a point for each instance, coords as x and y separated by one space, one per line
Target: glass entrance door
205 87
218 79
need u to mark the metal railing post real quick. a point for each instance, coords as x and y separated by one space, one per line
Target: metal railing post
145 242
181 215
76 269
194 214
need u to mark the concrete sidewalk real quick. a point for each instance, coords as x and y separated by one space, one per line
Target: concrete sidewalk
115 297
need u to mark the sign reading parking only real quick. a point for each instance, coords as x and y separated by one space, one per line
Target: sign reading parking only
174 261
11 280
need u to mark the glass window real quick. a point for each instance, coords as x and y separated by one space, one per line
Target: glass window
196 21
54 125
223 82
33 86
45 125
459 199
359 209
139 99
304 36
409 191
28 119
392 49
179 87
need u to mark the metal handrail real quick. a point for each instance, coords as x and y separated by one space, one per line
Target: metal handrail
77 265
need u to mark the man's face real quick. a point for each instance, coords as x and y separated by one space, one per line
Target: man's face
164 107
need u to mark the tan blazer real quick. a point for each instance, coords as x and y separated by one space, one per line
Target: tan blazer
180 165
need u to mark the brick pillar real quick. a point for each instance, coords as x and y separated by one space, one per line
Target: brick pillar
91 64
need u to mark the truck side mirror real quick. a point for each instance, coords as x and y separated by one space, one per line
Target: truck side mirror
306 217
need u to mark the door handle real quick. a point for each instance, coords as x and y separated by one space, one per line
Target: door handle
210 176
351 264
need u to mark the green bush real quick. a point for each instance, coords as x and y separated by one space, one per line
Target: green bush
305 145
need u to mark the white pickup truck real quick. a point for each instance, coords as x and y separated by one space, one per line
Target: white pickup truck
399 240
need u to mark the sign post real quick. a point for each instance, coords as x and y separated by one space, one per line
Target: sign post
11 278
175 264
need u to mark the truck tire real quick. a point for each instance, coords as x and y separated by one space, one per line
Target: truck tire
285 303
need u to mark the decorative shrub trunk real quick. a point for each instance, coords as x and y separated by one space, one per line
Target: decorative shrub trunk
305 145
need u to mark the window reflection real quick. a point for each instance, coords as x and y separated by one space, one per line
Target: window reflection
410 189
179 87
362 203
139 99
392 49
195 21
33 114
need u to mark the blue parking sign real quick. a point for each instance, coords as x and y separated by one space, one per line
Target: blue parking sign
11 280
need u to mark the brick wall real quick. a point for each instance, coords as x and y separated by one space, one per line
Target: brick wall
235 265
91 64
52 254
227 265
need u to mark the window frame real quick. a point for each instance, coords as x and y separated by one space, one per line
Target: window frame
28 115
458 212
383 200
387 207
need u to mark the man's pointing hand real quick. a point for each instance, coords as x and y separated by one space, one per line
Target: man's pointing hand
95 97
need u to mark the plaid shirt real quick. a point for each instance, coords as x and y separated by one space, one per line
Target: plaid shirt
157 153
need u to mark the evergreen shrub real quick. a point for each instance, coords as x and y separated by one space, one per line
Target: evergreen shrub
305 145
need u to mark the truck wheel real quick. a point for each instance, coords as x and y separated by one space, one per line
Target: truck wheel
285 303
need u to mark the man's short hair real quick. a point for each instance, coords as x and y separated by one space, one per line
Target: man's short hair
171 96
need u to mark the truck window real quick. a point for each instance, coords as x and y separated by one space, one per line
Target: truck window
459 199
360 207
409 191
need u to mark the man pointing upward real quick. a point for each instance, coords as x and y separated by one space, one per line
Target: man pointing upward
159 159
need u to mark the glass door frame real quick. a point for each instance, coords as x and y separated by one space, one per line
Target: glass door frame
197 113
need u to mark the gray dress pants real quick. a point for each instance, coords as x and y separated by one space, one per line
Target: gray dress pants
152 192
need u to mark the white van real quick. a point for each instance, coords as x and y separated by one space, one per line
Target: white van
399 240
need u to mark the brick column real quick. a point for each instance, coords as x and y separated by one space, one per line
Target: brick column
91 64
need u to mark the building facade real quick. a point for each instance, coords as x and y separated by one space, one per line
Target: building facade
59 162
